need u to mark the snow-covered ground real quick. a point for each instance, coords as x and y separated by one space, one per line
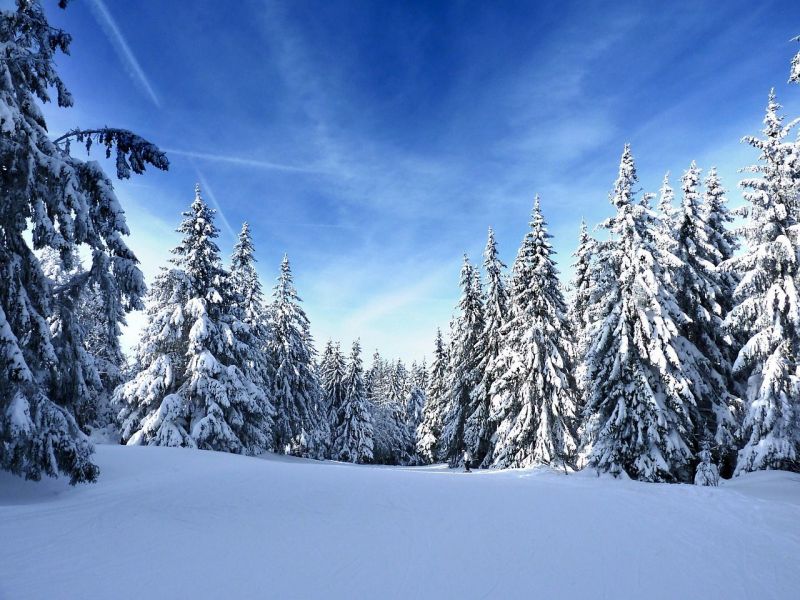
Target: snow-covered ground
172 523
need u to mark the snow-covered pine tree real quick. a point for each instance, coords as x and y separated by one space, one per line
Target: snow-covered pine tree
415 399
767 308
700 291
248 296
397 395
582 311
478 428
415 405
393 443
352 430
332 373
534 401
191 390
430 429
707 473
84 390
638 417
324 360
398 382
301 428
88 341
794 72
579 308
376 380
464 384
666 208
718 219
50 199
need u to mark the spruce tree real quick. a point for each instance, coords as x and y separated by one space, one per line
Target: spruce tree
415 399
398 392
89 342
248 297
68 329
666 208
375 380
582 309
579 309
718 219
51 199
702 294
639 367
192 390
794 72
300 428
534 402
767 308
479 429
393 441
707 473
464 390
352 431
332 373
430 429
245 281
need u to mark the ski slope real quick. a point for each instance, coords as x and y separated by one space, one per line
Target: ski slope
173 523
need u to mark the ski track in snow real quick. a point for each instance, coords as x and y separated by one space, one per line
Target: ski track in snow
173 523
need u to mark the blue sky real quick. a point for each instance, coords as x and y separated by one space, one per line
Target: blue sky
375 142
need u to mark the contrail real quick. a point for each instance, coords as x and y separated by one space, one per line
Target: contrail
114 35
208 192
245 162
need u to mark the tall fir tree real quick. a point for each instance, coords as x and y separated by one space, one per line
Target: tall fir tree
352 431
247 293
375 379
324 360
301 428
90 343
393 442
415 401
430 429
638 416
534 401
399 390
767 308
794 71
582 310
718 219
332 373
191 390
666 208
51 199
479 429
464 389
700 291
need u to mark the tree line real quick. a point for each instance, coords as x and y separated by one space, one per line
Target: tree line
673 354
676 355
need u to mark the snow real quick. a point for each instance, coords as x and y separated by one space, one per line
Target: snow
176 523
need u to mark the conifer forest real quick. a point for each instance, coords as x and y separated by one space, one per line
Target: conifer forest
664 350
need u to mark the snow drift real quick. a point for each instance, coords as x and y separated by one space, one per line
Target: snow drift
174 523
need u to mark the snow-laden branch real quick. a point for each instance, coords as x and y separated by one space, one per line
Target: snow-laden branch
133 151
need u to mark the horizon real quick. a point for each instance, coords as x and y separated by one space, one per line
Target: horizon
376 143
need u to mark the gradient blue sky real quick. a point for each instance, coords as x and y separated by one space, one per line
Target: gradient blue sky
375 142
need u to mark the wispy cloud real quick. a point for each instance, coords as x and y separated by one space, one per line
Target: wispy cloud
106 21
390 302
245 162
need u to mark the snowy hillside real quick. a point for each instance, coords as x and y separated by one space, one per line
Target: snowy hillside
173 523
